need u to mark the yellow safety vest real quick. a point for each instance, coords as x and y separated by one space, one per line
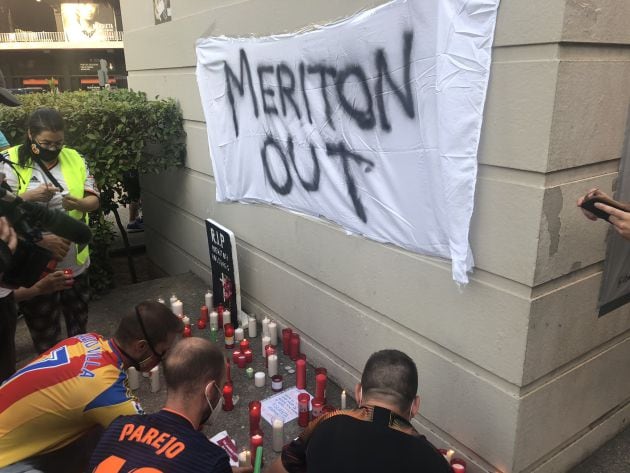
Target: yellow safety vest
74 173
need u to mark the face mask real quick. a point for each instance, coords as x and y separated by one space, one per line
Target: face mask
214 411
46 155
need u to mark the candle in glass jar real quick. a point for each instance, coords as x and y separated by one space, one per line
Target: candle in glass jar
294 350
208 298
278 434
286 340
251 327
265 341
228 402
177 308
244 344
320 386
276 383
343 399
229 336
249 355
242 361
303 409
239 334
272 365
259 379
254 416
235 355
273 332
317 408
133 378
300 368
214 320
255 441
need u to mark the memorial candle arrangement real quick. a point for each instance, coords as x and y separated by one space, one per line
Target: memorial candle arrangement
255 409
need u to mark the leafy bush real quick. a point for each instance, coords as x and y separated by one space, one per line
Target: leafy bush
116 131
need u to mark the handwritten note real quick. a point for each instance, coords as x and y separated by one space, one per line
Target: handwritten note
283 405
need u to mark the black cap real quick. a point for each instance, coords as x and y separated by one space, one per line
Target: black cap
7 98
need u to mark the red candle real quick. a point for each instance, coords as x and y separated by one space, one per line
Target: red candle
229 336
69 275
201 324
255 441
228 403
300 368
220 316
187 331
249 355
235 355
458 465
269 350
204 314
303 415
295 346
321 371
286 340
320 387
244 344
318 407
254 417
228 372
242 361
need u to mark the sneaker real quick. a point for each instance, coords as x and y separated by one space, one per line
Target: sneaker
135 226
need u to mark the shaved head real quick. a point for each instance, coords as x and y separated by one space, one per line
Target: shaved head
390 375
191 364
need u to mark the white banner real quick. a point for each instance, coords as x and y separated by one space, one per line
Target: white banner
372 122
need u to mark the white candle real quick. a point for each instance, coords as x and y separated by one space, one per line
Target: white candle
227 318
265 341
133 378
449 455
244 458
343 399
272 363
173 299
208 298
155 379
214 320
160 300
273 333
259 379
178 308
239 334
265 326
186 320
251 327
278 434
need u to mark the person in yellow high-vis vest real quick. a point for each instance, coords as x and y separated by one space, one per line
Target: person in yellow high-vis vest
43 170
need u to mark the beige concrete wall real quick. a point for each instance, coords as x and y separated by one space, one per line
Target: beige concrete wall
517 372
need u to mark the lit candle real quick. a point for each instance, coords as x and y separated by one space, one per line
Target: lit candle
318 407
286 340
177 308
303 414
244 458
186 320
255 441
250 372
204 314
244 344
251 327
249 355
242 361
227 318
208 298
235 355
457 468
173 299
300 368
278 434
273 365
220 316
294 350
343 399
273 333
160 299
259 379
320 387
187 331
155 378
254 417
229 336
265 326
449 455
214 320
265 341
239 334
132 378
269 350
213 335
228 402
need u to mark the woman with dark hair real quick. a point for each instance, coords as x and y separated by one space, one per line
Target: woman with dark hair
43 170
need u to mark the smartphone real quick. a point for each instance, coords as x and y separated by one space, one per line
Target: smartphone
590 206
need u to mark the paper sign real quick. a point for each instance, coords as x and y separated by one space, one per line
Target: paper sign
283 405
223 440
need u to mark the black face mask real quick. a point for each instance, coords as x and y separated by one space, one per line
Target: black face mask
46 155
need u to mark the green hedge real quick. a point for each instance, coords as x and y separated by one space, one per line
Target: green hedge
116 131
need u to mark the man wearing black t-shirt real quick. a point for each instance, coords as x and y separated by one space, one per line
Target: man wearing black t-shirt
169 440
375 438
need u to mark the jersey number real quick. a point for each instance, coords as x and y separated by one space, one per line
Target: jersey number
114 464
55 358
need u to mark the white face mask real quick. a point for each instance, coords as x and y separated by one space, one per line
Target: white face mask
214 411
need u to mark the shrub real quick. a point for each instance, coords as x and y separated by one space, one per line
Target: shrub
116 131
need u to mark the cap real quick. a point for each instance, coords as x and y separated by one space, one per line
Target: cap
7 98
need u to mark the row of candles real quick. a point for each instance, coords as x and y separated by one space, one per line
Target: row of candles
220 319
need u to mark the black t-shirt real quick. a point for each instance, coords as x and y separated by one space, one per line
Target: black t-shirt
364 444
164 441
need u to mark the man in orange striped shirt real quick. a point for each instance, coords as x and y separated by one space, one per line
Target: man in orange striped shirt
50 408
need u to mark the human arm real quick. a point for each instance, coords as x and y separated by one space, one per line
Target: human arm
88 203
52 282
56 245
42 193
619 219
